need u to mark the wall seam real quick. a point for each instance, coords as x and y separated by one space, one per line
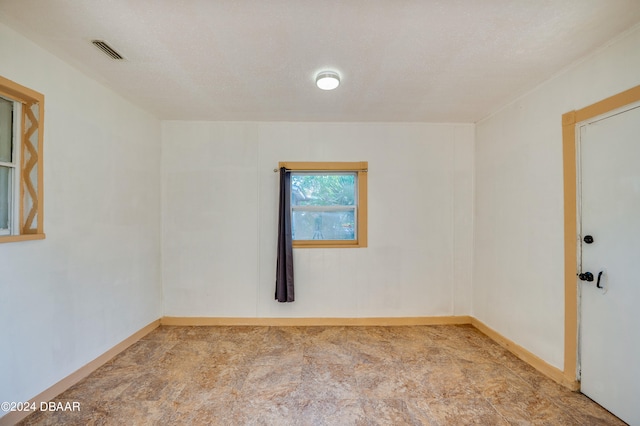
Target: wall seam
454 227
258 227
162 215
472 266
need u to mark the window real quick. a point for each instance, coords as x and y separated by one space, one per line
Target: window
7 166
21 186
328 204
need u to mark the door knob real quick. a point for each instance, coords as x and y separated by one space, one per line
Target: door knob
588 239
586 276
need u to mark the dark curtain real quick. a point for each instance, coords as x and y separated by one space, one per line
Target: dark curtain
284 268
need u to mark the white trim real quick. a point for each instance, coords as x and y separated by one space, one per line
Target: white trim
332 208
14 170
17 169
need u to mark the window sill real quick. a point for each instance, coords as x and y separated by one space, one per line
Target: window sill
328 244
23 237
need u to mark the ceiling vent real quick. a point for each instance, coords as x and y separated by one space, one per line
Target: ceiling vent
107 50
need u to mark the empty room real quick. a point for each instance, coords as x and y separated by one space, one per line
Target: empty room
302 212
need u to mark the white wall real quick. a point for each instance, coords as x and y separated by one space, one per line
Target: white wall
518 276
219 220
95 279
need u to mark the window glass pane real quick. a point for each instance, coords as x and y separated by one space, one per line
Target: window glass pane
323 225
323 189
5 193
6 130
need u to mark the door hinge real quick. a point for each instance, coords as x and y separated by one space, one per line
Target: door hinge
579 374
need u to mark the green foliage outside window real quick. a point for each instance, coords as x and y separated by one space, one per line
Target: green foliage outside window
323 189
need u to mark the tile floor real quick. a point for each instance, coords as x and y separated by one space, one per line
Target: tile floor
418 375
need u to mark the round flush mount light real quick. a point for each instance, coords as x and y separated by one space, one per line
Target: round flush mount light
327 80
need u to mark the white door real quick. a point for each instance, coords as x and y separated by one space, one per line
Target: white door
610 256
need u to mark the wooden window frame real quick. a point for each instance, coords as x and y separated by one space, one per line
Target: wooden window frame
361 168
30 197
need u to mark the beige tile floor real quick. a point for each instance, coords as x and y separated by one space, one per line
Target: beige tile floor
418 375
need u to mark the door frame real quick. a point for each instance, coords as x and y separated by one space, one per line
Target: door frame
570 160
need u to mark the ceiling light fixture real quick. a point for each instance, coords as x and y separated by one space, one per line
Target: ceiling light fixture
327 80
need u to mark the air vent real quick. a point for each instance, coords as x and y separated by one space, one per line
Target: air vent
107 50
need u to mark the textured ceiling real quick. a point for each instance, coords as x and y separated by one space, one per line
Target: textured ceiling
400 60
